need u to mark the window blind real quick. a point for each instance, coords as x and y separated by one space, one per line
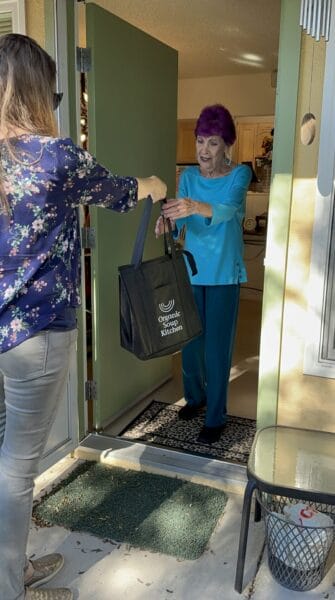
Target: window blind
6 23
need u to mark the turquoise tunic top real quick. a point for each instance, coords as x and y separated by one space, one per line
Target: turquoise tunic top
217 242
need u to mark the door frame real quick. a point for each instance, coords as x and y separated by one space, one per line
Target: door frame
279 213
59 30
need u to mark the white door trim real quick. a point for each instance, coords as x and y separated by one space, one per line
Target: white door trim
64 435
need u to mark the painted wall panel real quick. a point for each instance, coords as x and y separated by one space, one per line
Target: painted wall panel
35 24
279 213
303 400
244 95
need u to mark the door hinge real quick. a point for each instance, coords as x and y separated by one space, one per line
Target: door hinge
84 59
88 237
90 390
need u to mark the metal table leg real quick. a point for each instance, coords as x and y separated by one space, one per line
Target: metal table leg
258 511
251 485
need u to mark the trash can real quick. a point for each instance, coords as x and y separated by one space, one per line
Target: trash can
297 553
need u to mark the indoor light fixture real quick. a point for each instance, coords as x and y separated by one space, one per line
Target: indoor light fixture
252 57
244 61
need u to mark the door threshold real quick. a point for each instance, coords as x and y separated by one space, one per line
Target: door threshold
111 450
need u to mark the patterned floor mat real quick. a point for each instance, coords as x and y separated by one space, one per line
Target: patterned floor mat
158 424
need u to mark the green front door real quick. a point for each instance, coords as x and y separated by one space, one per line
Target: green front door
132 117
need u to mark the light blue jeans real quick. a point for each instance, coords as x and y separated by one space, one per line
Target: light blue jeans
33 376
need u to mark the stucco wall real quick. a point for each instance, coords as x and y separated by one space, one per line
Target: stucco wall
304 401
35 20
244 95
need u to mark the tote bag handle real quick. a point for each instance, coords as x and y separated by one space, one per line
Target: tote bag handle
169 246
170 249
138 250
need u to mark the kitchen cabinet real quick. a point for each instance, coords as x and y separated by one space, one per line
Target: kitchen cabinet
250 137
244 150
186 141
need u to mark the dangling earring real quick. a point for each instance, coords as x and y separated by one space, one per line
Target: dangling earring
227 155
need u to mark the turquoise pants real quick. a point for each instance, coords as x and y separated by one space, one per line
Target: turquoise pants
207 359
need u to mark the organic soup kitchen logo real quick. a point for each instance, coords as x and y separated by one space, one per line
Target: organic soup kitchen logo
170 322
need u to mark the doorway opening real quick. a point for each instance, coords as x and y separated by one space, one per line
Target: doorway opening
154 421
244 375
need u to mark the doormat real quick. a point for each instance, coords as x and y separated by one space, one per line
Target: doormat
158 424
149 511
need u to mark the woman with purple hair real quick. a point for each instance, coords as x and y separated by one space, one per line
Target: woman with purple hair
211 205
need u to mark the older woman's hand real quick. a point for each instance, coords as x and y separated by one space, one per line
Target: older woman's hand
162 226
180 208
184 207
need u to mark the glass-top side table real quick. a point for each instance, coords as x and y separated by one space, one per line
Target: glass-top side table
299 460
287 461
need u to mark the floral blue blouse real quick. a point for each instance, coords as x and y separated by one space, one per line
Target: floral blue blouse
39 239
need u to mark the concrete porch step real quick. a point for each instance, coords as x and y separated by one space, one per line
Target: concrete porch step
228 476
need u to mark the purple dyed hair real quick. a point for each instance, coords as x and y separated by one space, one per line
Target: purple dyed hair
216 120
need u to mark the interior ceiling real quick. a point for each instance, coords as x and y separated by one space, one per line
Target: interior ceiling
213 37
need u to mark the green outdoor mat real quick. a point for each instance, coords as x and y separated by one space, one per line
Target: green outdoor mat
148 511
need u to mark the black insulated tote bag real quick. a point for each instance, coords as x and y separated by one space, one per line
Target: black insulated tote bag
158 313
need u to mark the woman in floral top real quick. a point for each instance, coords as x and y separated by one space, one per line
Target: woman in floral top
43 180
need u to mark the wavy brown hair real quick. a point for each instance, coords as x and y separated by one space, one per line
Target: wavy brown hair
27 84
